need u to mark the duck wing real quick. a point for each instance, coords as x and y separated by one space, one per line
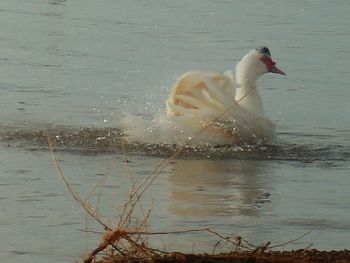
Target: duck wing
201 94
201 98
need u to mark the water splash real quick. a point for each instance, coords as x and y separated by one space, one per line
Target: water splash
111 140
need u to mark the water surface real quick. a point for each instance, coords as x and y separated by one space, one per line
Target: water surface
75 67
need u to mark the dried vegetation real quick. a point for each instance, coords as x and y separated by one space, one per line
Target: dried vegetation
126 241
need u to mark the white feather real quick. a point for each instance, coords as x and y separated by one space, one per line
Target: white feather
196 103
218 93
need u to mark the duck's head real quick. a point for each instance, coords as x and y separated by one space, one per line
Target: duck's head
254 64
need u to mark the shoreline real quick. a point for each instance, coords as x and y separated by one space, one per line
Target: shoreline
293 256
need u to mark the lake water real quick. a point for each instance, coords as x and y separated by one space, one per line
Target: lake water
78 66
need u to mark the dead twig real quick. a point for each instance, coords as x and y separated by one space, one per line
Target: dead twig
84 204
291 241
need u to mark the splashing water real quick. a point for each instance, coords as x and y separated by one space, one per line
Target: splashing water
104 140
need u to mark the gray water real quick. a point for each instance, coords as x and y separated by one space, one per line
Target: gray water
76 66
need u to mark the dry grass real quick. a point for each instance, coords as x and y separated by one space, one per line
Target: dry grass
126 241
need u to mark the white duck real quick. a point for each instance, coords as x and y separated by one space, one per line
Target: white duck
230 109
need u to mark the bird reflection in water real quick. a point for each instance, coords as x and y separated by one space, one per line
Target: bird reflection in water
213 188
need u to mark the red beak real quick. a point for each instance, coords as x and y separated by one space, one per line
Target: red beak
276 70
271 65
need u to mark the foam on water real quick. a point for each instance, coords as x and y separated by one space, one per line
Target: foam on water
181 130
162 130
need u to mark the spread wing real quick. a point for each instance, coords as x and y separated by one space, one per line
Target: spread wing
199 98
204 95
